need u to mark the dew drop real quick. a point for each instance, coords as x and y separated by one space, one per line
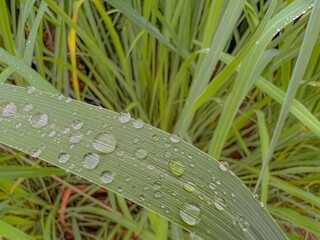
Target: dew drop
77 124
65 130
142 197
189 186
106 177
63 157
212 185
27 107
18 125
220 203
68 100
30 89
36 152
38 120
52 133
104 142
174 138
137 123
8 109
190 214
141 153
75 138
157 194
177 167
223 166
155 138
90 160
124 117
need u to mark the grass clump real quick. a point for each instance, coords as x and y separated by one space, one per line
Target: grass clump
238 80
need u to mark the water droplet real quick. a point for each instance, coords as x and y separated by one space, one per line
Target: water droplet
177 167
90 160
174 138
141 153
104 142
157 185
52 133
218 181
176 149
223 166
8 109
190 214
142 197
212 185
27 107
106 177
220 203
65 130
155 138
137 123
77 124
157 194
18 125
36 152
30 89
68 100
124 117
75 138
136 140
63 157
38 120
189 186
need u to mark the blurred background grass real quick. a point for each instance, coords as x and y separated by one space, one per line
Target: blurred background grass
212 71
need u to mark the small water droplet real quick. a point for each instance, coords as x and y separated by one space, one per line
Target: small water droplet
223 166
177 167
38 120
63 157
106 177
190 214
189 186
212 185
174 138
90 160
68 100
220 203
142 197
157 194
77 124
141 153
27 107
176 149
104 142
124 117
18 125
136 140
155 138
65 130
137 123
75 137
8 109
30 89
36 152
52 133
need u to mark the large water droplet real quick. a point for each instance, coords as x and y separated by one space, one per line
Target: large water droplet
8 109
141 153
174 138
63 157
38 120
177 167
75 138
77 124
106 177
223 166
36 152
30 89
124 117
138 123
190 214
220 203
27 107
104 142
90 160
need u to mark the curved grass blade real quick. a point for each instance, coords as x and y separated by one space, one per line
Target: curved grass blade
10 232
144 164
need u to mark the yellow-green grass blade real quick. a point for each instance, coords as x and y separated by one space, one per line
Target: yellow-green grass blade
8 172
12 233
144 164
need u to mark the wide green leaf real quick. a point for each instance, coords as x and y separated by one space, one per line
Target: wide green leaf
144 164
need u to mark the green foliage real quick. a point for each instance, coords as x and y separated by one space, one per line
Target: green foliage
236 79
